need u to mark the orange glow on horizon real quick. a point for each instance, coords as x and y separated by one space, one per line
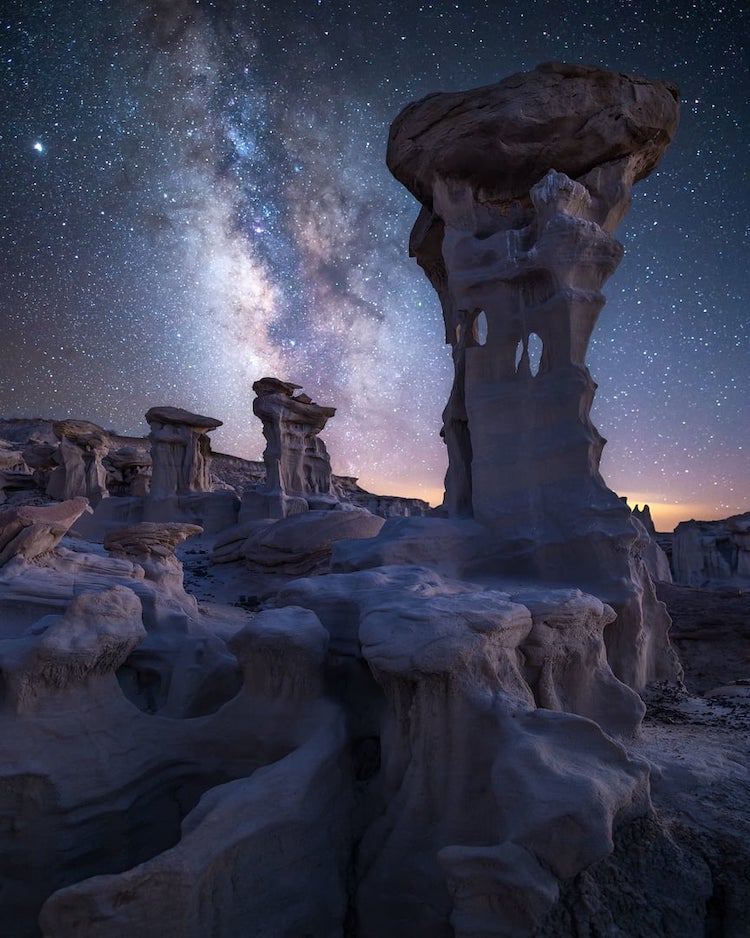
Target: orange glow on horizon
666 516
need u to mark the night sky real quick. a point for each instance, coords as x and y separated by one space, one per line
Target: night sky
194 195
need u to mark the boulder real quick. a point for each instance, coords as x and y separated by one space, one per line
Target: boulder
301 544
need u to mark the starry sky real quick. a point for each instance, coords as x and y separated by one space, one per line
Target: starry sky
194 195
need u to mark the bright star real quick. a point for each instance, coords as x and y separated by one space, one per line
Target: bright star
39 147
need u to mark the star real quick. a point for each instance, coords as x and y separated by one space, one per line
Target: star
38 146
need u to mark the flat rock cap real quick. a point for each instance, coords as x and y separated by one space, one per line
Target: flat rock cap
180 417
503 138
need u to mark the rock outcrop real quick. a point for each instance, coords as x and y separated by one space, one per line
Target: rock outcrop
83 446
180 451
298 468
712 553
522 186
29 531
486 775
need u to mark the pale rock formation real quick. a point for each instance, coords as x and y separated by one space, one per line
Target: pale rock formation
298 468
42 460
484 795
287 527
562 651
487 802
522 185
179 487
29 531
180 451
83 446
712 552
243 859
387 506
92 639
391 750
152 546
654 557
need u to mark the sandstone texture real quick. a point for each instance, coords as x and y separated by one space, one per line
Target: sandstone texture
28 532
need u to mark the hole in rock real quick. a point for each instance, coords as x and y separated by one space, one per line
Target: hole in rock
480 328
366 757
536 347
519 353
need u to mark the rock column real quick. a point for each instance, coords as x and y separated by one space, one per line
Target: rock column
522 185
180 451
297 462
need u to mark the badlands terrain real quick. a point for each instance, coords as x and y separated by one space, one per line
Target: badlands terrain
251 699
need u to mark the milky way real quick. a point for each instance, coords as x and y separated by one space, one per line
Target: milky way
194 195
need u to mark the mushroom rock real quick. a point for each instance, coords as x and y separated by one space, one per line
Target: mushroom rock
522 185
298 468
181 487
180 451
152 546
83 445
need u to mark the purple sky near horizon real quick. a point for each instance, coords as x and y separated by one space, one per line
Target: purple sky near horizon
194 195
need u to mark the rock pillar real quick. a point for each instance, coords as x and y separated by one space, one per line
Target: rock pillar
522 186
180 451
296 459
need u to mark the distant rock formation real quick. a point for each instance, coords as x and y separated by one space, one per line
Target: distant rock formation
654 556
386 506
298 468
14 473
522 185
180 451
129 471
712 553
83 446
